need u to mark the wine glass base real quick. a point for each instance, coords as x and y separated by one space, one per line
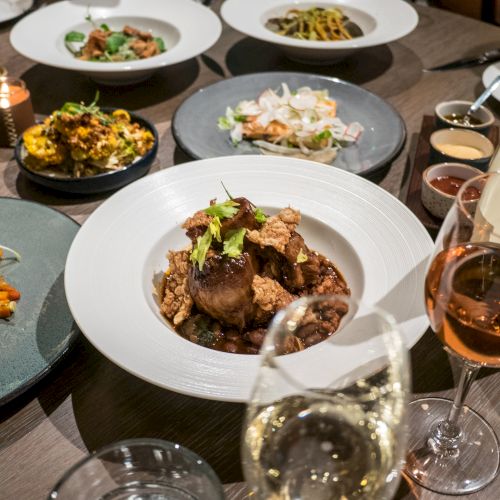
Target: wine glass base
468 468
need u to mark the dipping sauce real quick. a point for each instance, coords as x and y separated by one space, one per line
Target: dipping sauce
450 185
460 119
460 151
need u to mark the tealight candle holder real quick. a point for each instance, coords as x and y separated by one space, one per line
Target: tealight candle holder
16 110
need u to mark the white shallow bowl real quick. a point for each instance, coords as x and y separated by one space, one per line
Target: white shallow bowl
377 243
187 28
381 21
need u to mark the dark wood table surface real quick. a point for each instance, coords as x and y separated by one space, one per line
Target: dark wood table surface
87 401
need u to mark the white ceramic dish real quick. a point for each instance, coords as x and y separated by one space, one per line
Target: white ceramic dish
10 9
489 74
379 245
381 21
187 28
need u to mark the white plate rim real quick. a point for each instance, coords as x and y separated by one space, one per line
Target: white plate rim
81 255
175 12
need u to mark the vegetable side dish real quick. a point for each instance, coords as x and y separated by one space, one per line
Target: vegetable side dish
8 294
301 124
316 24
80 141
242 267
105 45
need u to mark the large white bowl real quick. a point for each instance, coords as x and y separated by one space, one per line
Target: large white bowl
382 21
378 244
187 28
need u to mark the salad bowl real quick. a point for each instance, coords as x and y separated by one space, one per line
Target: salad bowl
380 23
186 28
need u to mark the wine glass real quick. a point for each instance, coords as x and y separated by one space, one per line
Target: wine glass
453 450
327 421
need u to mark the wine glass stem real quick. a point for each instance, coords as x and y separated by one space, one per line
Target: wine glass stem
446 434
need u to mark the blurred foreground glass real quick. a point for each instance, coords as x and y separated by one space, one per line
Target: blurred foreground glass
453 450
140 469
328 422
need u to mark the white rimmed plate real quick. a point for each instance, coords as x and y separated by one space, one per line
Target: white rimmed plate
381 22
10 9
187 28
379 245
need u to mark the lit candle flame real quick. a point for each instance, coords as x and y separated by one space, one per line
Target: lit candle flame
4 95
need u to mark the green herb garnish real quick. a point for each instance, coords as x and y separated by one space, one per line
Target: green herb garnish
199 253
74 108
160 43
240 118
302 257
326 134
223 123
223 210
214 228
227 192
74 36
260 216
233 245
104 27
114 42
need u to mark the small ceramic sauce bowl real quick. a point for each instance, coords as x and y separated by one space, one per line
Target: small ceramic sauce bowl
439 202
462 146
445 110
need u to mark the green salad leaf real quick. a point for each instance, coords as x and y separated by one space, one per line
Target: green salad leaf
160 43
104 27
233 245
114 42
223 210
74 36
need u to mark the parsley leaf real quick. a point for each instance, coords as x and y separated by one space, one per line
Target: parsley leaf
302 257
200 250
240 118
214 228
260 216
74 36
223 210
233 246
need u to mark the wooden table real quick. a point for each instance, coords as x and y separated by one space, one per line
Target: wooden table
87 401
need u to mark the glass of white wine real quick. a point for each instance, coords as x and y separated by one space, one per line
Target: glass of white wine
453 450
327 422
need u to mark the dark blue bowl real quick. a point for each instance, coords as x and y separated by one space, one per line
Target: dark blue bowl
99 183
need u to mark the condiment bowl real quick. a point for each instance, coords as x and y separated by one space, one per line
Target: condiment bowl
446 108
436 201
381 23
99 183
462 146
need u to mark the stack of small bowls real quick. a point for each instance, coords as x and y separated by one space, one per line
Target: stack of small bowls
457 150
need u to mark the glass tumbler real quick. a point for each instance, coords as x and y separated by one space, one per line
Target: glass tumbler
140 469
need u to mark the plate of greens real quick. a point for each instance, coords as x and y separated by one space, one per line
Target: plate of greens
120 44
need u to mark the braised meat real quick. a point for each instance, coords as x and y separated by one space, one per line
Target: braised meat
223 289
242 268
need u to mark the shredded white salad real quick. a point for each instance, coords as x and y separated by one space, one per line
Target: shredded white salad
301 123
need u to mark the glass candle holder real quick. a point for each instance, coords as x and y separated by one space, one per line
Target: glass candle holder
16 110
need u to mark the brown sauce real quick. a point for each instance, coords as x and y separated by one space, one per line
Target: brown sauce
460 119
204 330
450 185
